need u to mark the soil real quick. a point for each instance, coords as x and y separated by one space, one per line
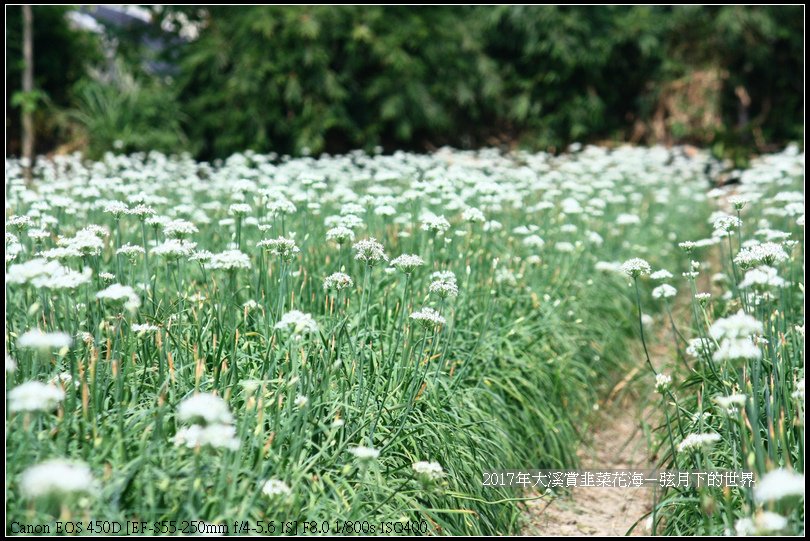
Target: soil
619 442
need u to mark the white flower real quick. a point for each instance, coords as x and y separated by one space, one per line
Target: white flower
36 339
696 441
772 234
407 263
201 256
444 289
174 249
443 276
21 273
142 211
11 364
218 436
116 208
281 205
428 317
493 225
608 266
130 250
687 246
349 220
703 297
429 470
370 251
297 323
157 221
143 328
777 484
85 242
739 325
797 394
20 223
250 385
340 235
120 293
737 348
534 241
662 382
229 260
239 209
179 228
473 215
385 210
274 488
664 291
595 238
301 401
662 274
724 222
762 277
352 208
362 452
764 522
738 201
699 347
282 247
435 224
743 527
506 276
56 477
636 267
204 408
768 521
337 281
62 379
766 253
42 273
35 396
729 403
627 219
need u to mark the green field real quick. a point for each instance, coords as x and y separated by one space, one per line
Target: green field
350 341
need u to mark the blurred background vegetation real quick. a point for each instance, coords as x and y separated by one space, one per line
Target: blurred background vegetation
298 80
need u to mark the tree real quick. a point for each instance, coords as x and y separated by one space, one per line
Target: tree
28 89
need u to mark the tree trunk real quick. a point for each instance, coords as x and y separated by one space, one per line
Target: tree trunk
28 88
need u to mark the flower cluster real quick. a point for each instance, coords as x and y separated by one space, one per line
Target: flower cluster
370 252
428 317
636 267
282 247
297 324
211 423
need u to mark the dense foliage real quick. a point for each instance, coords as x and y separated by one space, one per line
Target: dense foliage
61 56
310 78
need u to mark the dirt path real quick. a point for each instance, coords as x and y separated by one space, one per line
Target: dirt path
619 442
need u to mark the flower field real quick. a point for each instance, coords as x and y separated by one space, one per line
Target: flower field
350 341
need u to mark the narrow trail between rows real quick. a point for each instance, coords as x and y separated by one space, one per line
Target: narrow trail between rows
619 442
619 439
